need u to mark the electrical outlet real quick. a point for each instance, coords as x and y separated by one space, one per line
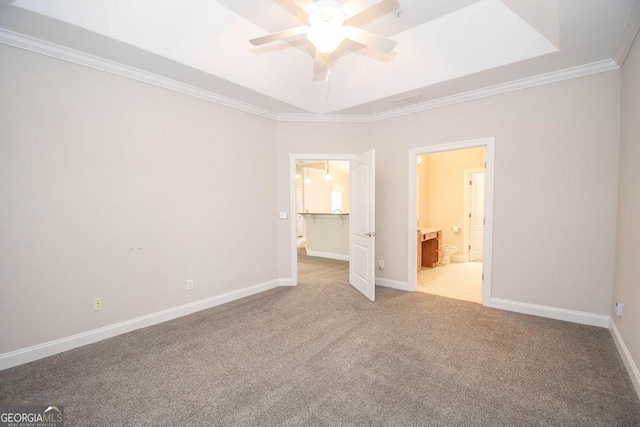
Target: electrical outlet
619 309
381 264
190 284
97 304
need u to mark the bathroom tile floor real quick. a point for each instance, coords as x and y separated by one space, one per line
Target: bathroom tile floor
458 280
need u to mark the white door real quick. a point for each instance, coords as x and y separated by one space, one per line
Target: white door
476 219
362 242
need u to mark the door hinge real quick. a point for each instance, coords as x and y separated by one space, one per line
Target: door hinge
484 221
485 164
470 183
469 214
482 276
469 247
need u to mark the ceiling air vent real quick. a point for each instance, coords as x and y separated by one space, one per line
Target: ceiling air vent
407 100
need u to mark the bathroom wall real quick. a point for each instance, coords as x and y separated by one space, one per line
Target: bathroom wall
444 184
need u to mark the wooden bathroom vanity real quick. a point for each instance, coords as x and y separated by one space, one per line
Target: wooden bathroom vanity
429 247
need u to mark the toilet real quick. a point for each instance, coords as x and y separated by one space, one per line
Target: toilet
447 251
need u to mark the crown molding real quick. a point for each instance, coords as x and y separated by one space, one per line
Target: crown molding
66 54
324 118
529 82
628 35
71 55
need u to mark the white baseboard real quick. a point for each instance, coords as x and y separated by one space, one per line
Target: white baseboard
395 284
29 354
339 257
286 281
629 363
552 312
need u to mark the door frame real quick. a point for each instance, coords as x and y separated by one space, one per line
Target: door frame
293 209
467 209
489 144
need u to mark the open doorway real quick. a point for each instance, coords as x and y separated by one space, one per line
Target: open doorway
358 222
322 208
305 199
451 214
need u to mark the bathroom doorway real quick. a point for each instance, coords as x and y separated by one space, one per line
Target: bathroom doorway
450 217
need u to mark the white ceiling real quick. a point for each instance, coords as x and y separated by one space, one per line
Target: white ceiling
445 47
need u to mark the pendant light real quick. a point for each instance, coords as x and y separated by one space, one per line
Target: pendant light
327 176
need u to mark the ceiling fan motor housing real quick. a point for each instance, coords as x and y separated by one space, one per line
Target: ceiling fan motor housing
326 31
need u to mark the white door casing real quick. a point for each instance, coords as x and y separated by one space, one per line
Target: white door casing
362 241
300 209
476 217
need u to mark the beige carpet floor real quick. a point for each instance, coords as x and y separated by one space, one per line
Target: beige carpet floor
320 354
459 280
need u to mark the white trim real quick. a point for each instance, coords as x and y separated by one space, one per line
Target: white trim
293 208
286 281
529 82
629 363
324 118
489 144
552 312
395 284
67 54
525 83
339 257
29 354
628 35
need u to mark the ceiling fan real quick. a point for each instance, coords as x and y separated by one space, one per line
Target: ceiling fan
326 29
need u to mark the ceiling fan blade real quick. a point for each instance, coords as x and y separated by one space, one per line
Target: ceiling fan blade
370 39
354 7
279 35
306 5
320 62
382 8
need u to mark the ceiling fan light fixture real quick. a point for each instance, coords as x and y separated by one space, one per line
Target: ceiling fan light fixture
325 27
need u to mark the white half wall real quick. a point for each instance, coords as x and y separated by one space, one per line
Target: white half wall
114 189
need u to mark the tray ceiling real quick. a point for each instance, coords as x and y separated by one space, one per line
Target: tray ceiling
445 47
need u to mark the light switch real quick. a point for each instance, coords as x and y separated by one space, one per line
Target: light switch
284 215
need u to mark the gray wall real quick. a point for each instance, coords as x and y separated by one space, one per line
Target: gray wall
310 138
626 287
116 189
556 174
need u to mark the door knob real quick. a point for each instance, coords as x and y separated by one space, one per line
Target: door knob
370 234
